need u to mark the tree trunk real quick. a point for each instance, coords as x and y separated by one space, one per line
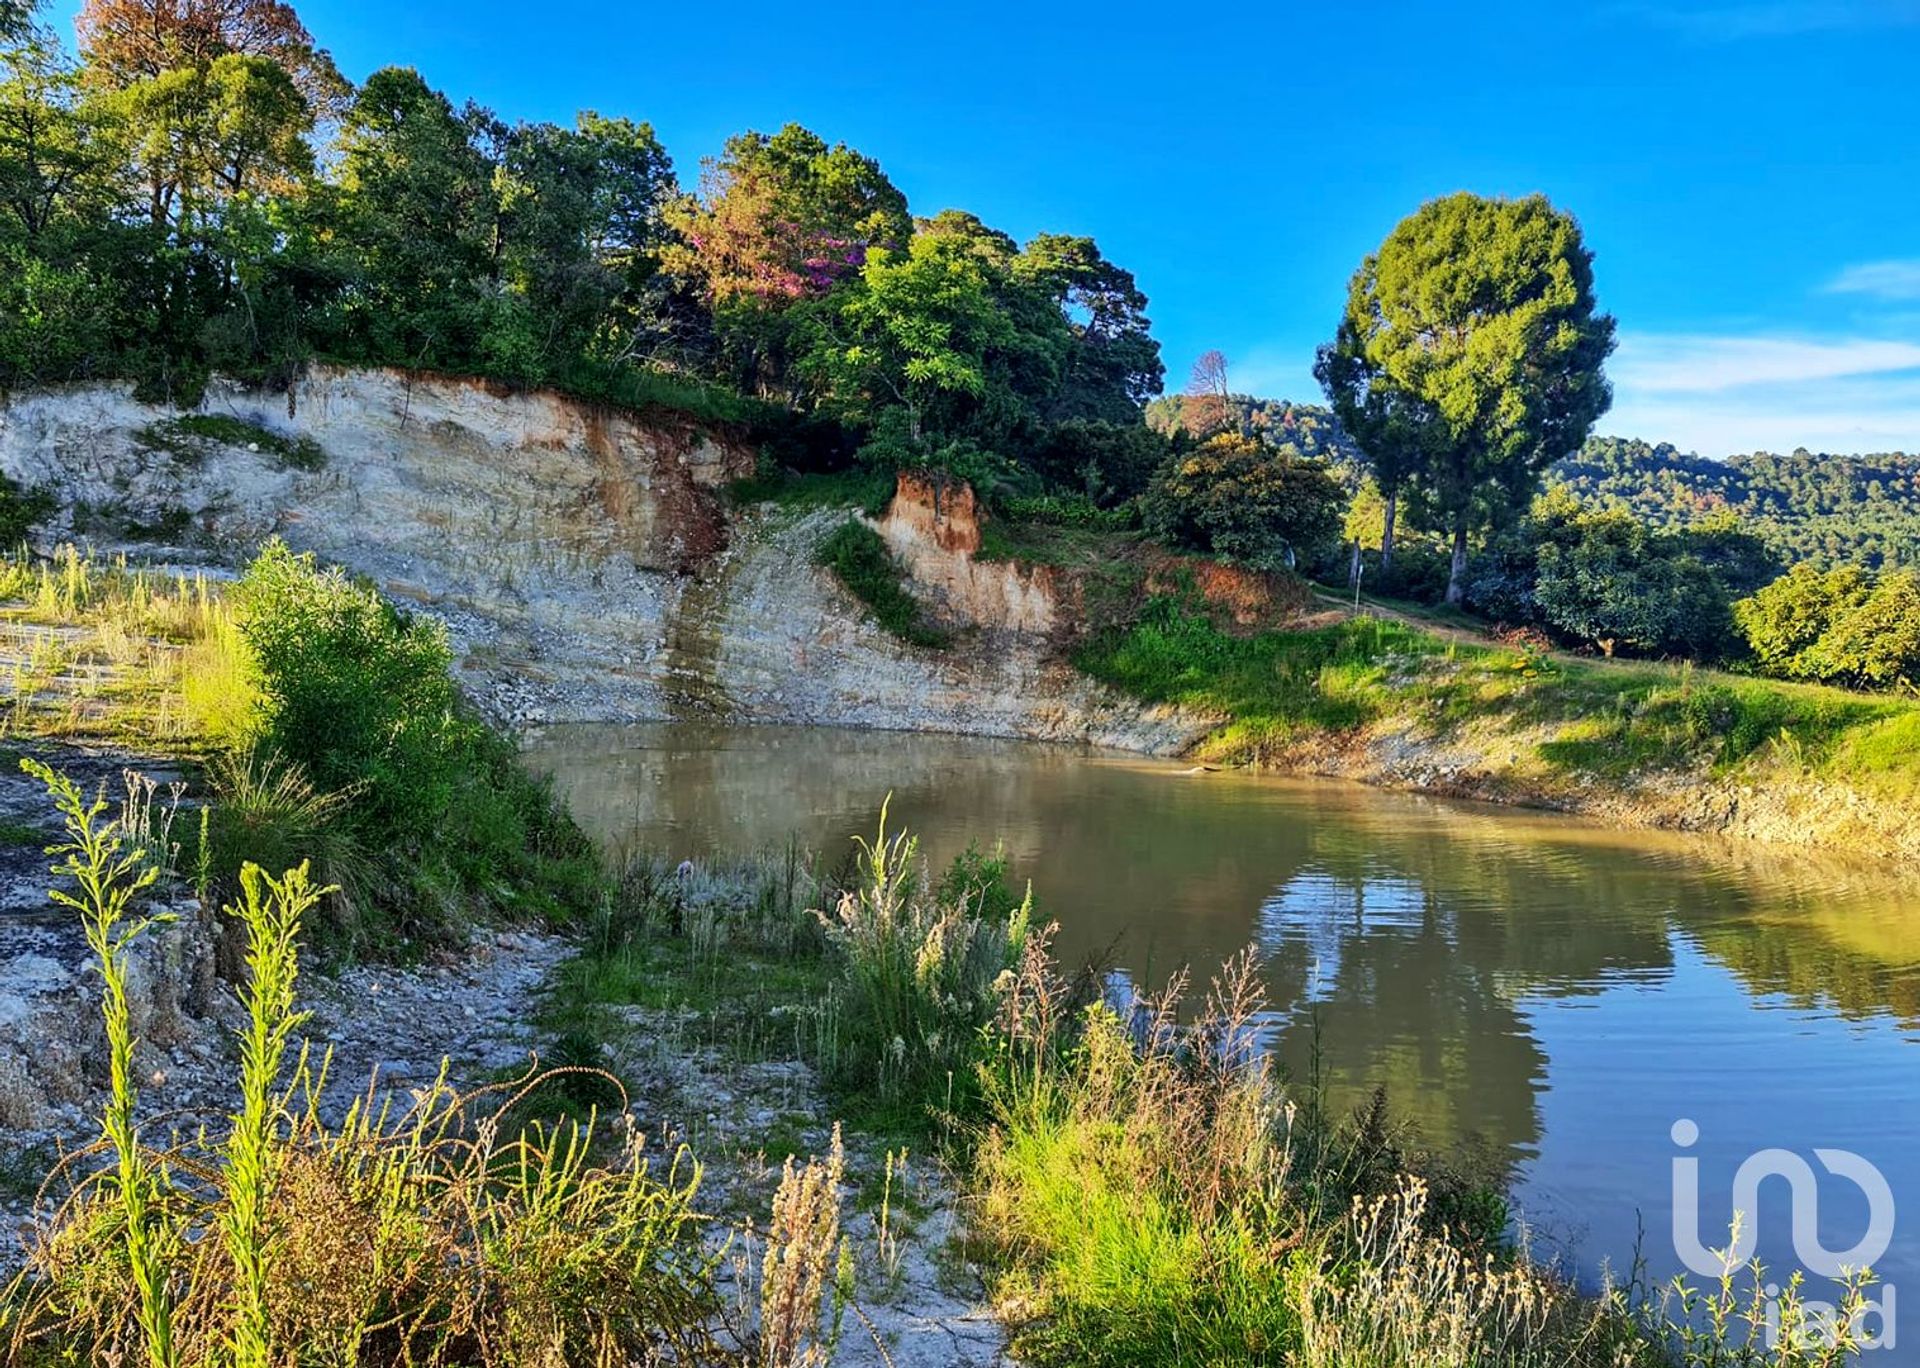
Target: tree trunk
1386 532
1353 567
1457 576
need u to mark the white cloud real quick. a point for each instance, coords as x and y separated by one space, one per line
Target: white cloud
1882 279
1718 394
1692 363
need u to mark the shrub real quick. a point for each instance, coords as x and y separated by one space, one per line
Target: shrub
1419 571
270 815
1875 644
355 693
1245 501
860 559
1612 583
1839 626
20 509
1101 462
359 698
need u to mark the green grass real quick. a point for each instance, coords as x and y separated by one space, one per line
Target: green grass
1080 546
867 490
1613 720
856 554
189 438
22 834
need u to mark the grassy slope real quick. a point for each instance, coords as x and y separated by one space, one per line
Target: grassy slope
1393 700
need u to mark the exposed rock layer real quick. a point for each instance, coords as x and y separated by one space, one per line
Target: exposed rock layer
586 560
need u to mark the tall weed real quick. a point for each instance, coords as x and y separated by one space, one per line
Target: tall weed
430 1234
920 979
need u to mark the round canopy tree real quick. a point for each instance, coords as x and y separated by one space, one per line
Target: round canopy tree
1470 357
1237 497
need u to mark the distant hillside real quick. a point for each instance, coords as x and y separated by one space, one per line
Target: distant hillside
1310 427
1807 506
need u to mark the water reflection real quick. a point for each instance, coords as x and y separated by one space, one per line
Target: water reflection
1553 993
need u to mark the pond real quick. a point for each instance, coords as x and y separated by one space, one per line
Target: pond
1593 1013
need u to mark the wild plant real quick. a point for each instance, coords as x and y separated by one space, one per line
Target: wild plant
267 812
148 821
921 980
1745 1319
430 1232
889 1254
805 1260
271 910
1399 1294
109 875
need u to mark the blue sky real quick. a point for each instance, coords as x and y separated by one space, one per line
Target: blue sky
1747 171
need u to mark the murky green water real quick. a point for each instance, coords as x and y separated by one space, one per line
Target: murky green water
1551 994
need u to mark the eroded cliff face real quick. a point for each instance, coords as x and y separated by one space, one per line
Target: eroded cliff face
585 561
933 527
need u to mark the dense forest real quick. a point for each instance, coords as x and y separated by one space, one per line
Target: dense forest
1814 506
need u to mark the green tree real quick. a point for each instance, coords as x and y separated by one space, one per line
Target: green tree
1108 462
1839 626
54 160
1471 351
1239 498
782 216
1611 583
1380 420
202 136
1785 621
415 218
1114 365
1876 643
580 228
913 327
780 219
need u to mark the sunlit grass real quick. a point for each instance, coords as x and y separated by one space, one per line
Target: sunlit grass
1564 717
102 650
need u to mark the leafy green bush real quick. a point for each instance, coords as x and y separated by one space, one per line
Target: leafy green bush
360 698
857 555
1838 626
1246 501
357 694
1601 577
1613 584
1104 463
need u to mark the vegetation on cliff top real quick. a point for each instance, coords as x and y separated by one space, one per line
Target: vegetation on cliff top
200 190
